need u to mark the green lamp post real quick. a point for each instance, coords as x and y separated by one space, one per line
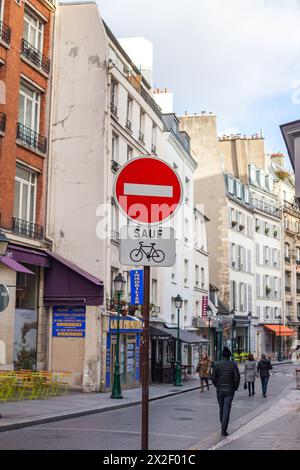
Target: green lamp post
232 315
209 320
249 337
119 284
280 342
178 382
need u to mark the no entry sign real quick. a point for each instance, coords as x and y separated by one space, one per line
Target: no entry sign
148 190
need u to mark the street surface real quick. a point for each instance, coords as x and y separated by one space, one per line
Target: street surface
186 421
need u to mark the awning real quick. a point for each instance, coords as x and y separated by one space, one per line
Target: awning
280 330
185 336
67 284
28 255
12 264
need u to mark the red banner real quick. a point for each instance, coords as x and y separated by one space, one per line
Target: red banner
204 305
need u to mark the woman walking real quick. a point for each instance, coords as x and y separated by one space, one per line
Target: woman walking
250 374
263 368
204 367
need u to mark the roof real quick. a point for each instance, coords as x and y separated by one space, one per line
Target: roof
184 336
289 132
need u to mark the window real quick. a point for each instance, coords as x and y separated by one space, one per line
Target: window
175 128
298 254
286 251
257 285
187 189
202 278
29 107
238 189
154 138
129 112
142 126
114 97
186 271
257 252
115 148
257 225
33 30
114 222
25 194
154 292
233 294
1 9
197 276
230 185
247 195
129 153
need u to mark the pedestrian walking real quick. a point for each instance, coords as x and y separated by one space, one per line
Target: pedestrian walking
204 366
263 368
250 374
226 379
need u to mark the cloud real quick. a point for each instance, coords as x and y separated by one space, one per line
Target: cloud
225 56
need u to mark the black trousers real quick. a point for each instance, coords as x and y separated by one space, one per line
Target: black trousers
202 380
251 386
225 401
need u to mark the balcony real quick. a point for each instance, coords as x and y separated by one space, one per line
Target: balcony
128 125
27 229
287 289
267 208
141 137
5 33
2 122
153 149
287 259
298 291
115 166
114 109
35 56
31 138
115 236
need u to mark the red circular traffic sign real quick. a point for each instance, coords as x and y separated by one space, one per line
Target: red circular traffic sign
147 190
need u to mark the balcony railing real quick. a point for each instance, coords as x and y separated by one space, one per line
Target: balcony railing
31 138
115 236
27 229
128 125
35 56
153 149
287 259
5 32
115 166
2 122
287 289
141 137
114 109
264 207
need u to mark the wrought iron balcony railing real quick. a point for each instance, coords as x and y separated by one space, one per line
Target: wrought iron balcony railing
27 229
268 208
287 289
2 122
115 166
5 32
141 137
35 56
114 109
128 125
153 149
31 138
115 236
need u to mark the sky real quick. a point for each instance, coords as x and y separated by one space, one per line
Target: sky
239 59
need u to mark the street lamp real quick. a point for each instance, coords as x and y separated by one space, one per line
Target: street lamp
178 304
3 244
209 319
249 338
279 352
119 284
232 315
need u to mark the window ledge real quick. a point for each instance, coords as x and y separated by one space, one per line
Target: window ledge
4 44
31 149
35 67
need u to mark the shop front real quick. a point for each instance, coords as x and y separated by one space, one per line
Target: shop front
163 352
274 339
130 342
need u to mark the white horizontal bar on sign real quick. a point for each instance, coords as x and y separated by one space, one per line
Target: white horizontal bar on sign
132 189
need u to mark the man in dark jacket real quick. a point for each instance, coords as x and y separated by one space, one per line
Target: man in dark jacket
263 368
226 379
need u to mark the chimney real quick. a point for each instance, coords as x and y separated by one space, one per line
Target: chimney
278 158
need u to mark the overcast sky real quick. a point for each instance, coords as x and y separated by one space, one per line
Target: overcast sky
237 58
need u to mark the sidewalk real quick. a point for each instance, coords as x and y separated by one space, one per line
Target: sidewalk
27 413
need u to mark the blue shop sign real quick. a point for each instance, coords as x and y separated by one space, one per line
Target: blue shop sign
69 322
126 325
137 287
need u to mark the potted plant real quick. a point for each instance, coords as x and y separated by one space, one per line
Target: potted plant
257 228
267 230
275 233
268 291
233 223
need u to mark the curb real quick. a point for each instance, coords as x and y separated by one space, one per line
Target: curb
34 422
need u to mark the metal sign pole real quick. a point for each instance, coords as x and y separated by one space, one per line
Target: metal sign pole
145 361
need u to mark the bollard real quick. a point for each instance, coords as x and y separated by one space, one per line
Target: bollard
298 379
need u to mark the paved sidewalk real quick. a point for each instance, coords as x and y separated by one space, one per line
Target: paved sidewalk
26 413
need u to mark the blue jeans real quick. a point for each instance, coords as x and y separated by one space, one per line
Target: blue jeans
225 401
264 384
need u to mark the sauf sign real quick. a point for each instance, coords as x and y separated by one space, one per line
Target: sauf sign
149 192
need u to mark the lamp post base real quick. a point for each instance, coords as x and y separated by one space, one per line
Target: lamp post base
116 390
177 382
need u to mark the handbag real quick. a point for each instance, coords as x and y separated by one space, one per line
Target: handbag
245 386
198 368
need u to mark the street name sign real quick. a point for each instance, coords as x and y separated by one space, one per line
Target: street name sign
147 190
147 246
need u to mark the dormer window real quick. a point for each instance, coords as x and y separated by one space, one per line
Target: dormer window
247 195
238 189
230 185
175 128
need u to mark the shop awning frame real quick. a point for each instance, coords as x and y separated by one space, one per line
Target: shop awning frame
185 336
280 330
13 264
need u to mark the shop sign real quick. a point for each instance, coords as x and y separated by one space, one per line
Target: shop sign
127 324
69 322
4 297
204 305
136 287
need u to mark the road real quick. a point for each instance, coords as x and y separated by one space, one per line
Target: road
185 421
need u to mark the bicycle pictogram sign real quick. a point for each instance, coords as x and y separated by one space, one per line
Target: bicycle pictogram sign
147 251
